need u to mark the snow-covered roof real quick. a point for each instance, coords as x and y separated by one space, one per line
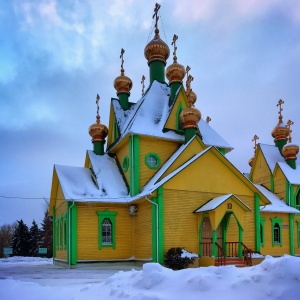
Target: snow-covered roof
292 175
149 115
216 202
277 205
272 155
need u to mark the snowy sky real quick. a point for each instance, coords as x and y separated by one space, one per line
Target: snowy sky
55 56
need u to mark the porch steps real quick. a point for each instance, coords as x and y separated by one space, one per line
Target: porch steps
235 261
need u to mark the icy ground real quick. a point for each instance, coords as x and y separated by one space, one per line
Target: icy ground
32 278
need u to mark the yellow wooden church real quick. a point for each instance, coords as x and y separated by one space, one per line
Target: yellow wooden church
163 180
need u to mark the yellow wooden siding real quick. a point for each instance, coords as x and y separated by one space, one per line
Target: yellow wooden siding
162 148
206 261
209 175
121 153
195 147
268 249
61 205
260 171
87 233
280 184
232 234
180 223
143 231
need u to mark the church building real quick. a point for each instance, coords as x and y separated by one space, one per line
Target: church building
158 178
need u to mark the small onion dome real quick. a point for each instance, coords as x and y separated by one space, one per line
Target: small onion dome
123 84
175 72
250 162
157 49
190 117
192 97
98 131
290 151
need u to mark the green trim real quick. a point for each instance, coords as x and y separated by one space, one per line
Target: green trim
106 214
147 157
73 215
123 99
125 164
297 199
287 188
257 222
157 71
189 133
275 221
54 231
262 233
154 239
134 186
298 231
115 130
222 150
240 248
272 182
214 240
174 88
291 232
291 163
99 147
179 125
160 199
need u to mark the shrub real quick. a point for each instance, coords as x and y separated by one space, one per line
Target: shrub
178 258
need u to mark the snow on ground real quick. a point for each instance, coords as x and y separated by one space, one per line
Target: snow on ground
274 278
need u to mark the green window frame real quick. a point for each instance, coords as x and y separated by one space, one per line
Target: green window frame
297 199
125 164
106 232
262 231
152 160
276 231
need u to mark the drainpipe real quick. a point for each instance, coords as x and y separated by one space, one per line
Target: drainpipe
69 250
156 225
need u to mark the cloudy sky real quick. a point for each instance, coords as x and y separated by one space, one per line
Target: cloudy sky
55 56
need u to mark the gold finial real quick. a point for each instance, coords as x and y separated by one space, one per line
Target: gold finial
122 61
156 9
208 119
143 85
280 102
255 138
289 124
97 117
175 38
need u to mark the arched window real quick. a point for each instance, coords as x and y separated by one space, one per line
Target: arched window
276 235
106 232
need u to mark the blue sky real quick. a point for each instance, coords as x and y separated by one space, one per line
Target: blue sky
55 56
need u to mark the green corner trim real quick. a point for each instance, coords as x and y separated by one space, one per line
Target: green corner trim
134 150
274 222
54 231
257 222
155 158
160 199
154 238
292 234
106 214
179 125
262 231
72 252
298 232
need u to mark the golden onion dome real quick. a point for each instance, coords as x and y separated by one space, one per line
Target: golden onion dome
190 117
290 151
123 84
175 72
192 97
157 49
98 131
250 162
280 132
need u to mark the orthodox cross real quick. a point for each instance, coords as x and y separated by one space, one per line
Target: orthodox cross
280 102
255 138
122 59
175 38
187 69
97 100
188 82
156 9
288 124
208 119
143 85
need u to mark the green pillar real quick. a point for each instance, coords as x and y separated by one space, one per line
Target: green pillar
292 234
134 150
279 144
174 88
157 71
72 233
99 147
240 250
257 222
154 231
189 133
161 244
123 99
214 240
